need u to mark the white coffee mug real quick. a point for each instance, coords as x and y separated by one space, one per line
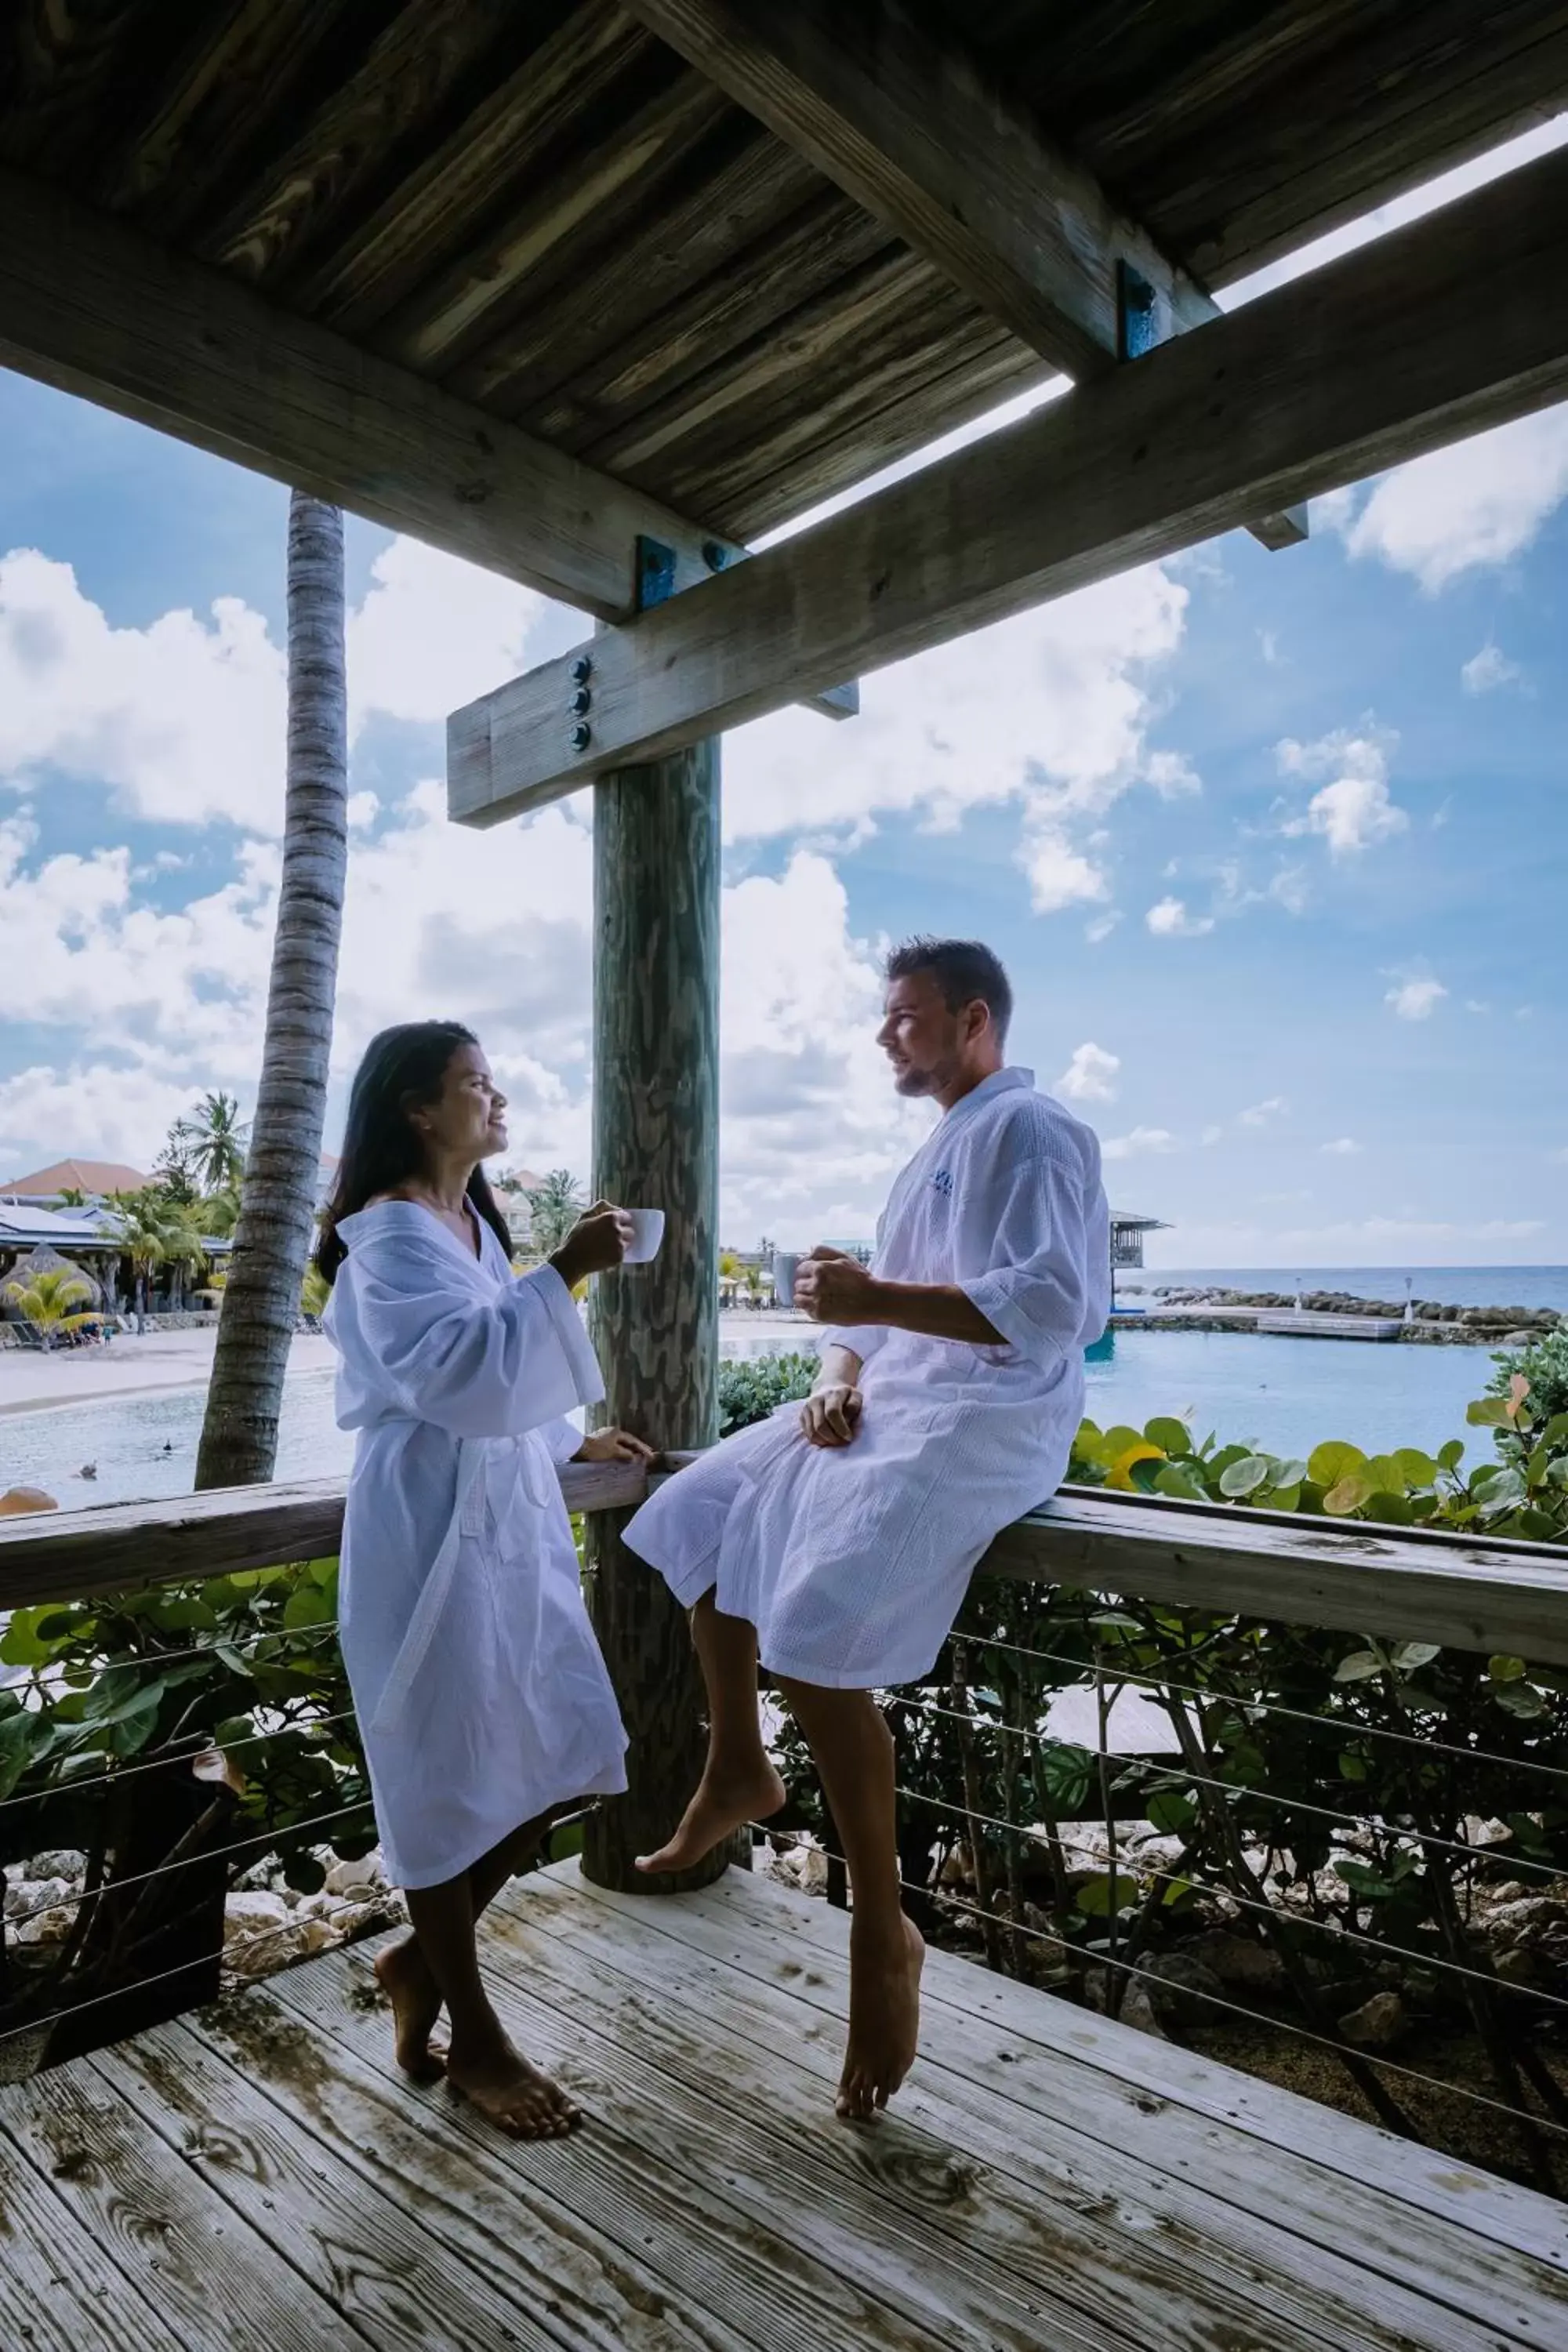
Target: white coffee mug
648 1233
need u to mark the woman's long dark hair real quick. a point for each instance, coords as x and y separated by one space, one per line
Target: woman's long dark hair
402 1068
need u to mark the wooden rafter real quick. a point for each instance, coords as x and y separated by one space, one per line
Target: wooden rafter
97 309
918 134
1457 323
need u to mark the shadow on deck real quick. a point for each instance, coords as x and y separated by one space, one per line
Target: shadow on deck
258 2178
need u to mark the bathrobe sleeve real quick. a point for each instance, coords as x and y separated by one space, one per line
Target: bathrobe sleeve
563 1438
476 1361
863 1339
1036 1290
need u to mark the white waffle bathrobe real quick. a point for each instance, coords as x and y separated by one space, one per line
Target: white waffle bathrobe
481 1695
851 1562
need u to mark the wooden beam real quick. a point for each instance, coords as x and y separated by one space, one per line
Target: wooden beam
915 132
96 308
1457 323
656 1328
1408 1584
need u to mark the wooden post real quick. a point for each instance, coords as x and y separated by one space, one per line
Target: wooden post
656 1328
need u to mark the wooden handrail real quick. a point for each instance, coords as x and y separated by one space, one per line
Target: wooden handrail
1414 1585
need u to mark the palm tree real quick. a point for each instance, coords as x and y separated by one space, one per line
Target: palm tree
553 1208
143 1223
213 1142
261 1296
51 1302
71 1196
219 1211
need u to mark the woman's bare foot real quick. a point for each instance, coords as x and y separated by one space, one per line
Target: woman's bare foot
514 2095
724 1801
884 2015
405 1980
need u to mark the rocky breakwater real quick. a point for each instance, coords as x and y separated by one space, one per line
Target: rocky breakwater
1431 1323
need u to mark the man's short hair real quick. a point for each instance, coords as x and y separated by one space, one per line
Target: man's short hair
963 970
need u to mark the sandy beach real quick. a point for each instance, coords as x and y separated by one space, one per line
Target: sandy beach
30 1382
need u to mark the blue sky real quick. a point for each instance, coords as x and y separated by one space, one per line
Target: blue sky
1272 845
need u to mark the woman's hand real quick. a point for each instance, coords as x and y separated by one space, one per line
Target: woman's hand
598 1241
831 1415
613 1445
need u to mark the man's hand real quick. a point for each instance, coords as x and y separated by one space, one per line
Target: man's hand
613 1445
835 1288
831 1416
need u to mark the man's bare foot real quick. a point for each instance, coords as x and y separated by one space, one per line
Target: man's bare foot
406 1978
514 2095
722 1803
884 2016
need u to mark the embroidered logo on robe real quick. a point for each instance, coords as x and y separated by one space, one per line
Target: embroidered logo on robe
942 1183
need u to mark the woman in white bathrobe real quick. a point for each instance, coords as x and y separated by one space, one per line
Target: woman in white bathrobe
483 1700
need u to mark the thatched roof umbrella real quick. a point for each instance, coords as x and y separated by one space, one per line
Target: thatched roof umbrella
48 1260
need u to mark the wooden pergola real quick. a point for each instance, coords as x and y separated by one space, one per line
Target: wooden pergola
594 292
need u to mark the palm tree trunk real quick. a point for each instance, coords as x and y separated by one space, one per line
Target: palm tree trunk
272 1240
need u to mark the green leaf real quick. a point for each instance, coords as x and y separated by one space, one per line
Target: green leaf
1506 1669
1521 1699
1349 1495
1171 1436
133 1726
1351 1766
1412 1655
1175 1478
306 1607
1449 1457
1386 1474
1359 1667
1490 1412
1093 1898
1280 1498
322 1571
1246 1476
21 1645
1361 1879
1416 1468
1169 1811
1392 1510
1331 1462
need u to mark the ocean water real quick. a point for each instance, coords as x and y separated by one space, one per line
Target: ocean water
1284 1394
1452 1286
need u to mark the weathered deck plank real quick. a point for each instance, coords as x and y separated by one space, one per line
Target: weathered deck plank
365 2252
262 2175
214 2283
1275 2233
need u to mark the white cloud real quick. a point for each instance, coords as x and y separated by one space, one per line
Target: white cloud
1143 1143
434 633
1261 1114
1476 504
1489 669
1102 928
1353 809
1416 1000
1048 711
183 721
1059 874
1168 920
1090 1076
1212 1134
1343 1147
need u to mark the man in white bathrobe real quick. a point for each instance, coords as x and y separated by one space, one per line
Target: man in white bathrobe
838 1541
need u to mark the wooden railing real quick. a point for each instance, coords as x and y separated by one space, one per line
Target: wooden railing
1412 1585
989 1710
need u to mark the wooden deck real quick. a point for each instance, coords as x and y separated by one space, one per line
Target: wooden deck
257 2177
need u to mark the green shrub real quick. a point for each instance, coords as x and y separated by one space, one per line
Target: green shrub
750 1388
1544 1364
